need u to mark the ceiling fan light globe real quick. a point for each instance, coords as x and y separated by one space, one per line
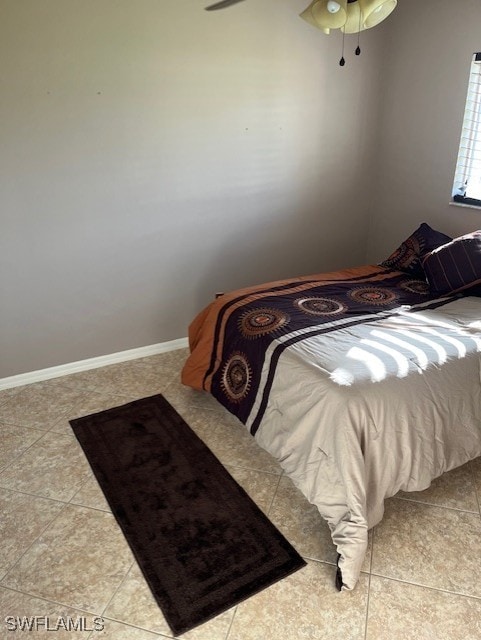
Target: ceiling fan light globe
324 18
375 11
333 6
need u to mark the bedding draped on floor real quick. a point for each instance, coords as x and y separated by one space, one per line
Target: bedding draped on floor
359 382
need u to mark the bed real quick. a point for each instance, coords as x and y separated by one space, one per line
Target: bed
361 382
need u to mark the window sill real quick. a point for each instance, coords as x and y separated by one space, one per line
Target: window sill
466 206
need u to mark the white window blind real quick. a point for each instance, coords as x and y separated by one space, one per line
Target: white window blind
467 180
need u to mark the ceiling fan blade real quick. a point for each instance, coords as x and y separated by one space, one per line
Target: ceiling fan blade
223 4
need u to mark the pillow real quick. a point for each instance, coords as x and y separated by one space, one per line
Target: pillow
408 256
455 266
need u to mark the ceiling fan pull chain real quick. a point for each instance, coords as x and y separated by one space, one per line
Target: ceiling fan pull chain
358 48
342 61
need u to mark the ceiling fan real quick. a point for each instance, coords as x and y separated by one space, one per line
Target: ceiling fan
221 5
351 16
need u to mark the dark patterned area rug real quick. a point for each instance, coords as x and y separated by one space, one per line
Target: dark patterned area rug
202 543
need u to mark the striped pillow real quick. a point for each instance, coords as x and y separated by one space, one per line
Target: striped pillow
456 265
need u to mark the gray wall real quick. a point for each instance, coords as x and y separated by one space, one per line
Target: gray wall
153 153
425 73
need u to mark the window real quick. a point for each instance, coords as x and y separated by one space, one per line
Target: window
467 181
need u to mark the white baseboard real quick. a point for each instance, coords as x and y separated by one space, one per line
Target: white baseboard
91 363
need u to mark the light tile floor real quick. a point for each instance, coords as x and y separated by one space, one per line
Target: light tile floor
62 553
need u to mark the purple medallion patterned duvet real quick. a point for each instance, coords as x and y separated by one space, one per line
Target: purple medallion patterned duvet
359 382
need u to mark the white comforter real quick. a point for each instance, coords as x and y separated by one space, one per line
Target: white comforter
386 406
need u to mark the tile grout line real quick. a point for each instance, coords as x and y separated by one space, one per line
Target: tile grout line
373 535
476 493
18 458
157 634
36 495
85 506
50 429
243 467
436 506
38 597
57 602
10 397
273 496
19 455
231 623
117 589
425 586
14 425
15 564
